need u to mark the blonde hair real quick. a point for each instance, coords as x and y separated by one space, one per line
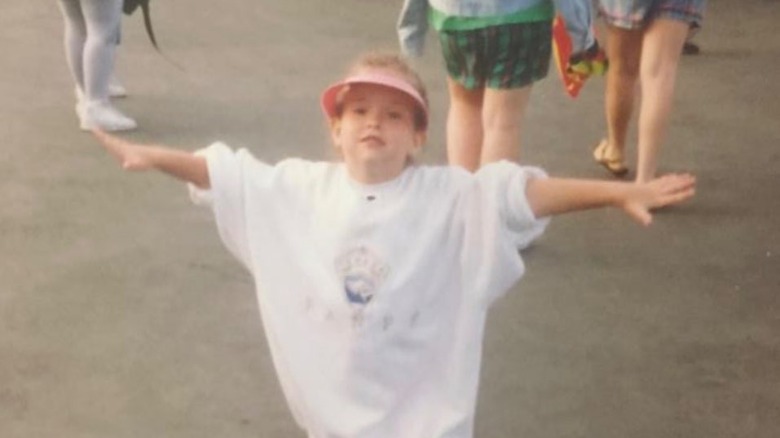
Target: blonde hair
395 64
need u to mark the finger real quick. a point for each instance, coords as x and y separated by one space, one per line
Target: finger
643 218
101 134
682 195
678 181
676 197
685 179
104 138
676 185
111 143
684 184
640 214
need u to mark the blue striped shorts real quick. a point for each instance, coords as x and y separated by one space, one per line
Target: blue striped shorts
635 14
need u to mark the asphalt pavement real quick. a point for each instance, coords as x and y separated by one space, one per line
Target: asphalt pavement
122 316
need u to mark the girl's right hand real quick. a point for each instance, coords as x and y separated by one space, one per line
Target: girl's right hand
132 156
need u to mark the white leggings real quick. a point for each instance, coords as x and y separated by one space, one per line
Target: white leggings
91 32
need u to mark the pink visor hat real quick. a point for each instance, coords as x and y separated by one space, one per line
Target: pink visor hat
330 98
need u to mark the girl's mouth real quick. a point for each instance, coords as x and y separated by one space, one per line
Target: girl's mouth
372 140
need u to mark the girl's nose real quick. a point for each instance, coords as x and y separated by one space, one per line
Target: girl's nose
374 118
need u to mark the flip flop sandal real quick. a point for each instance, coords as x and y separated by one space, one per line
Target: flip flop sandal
615 166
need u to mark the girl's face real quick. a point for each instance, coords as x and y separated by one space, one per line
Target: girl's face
376 132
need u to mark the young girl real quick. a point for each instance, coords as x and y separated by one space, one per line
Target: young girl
375 275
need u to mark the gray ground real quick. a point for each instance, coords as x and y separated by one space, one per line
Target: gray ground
122 316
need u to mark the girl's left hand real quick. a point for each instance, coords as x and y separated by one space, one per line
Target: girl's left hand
666 190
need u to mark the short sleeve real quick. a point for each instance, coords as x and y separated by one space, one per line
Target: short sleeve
228 173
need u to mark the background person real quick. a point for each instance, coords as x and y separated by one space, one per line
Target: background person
91 30
494 50
644 44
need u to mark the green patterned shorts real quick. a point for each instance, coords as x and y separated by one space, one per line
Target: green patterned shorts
503 56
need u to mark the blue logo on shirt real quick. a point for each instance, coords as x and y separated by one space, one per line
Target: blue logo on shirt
363 273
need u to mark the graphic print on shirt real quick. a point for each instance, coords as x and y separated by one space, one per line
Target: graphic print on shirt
362 272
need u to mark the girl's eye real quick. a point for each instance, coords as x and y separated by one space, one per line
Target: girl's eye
357 109
395 115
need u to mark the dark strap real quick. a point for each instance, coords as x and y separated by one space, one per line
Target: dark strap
148 23
129 6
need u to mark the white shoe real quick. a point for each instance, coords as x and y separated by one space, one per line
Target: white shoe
115 88
103 115
80 109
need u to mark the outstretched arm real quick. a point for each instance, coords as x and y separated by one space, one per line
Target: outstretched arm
137 157
553 196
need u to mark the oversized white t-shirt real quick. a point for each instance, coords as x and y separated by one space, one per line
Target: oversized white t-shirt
374 297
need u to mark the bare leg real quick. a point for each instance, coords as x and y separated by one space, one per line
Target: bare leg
624 48
661 50
502 118
464 126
